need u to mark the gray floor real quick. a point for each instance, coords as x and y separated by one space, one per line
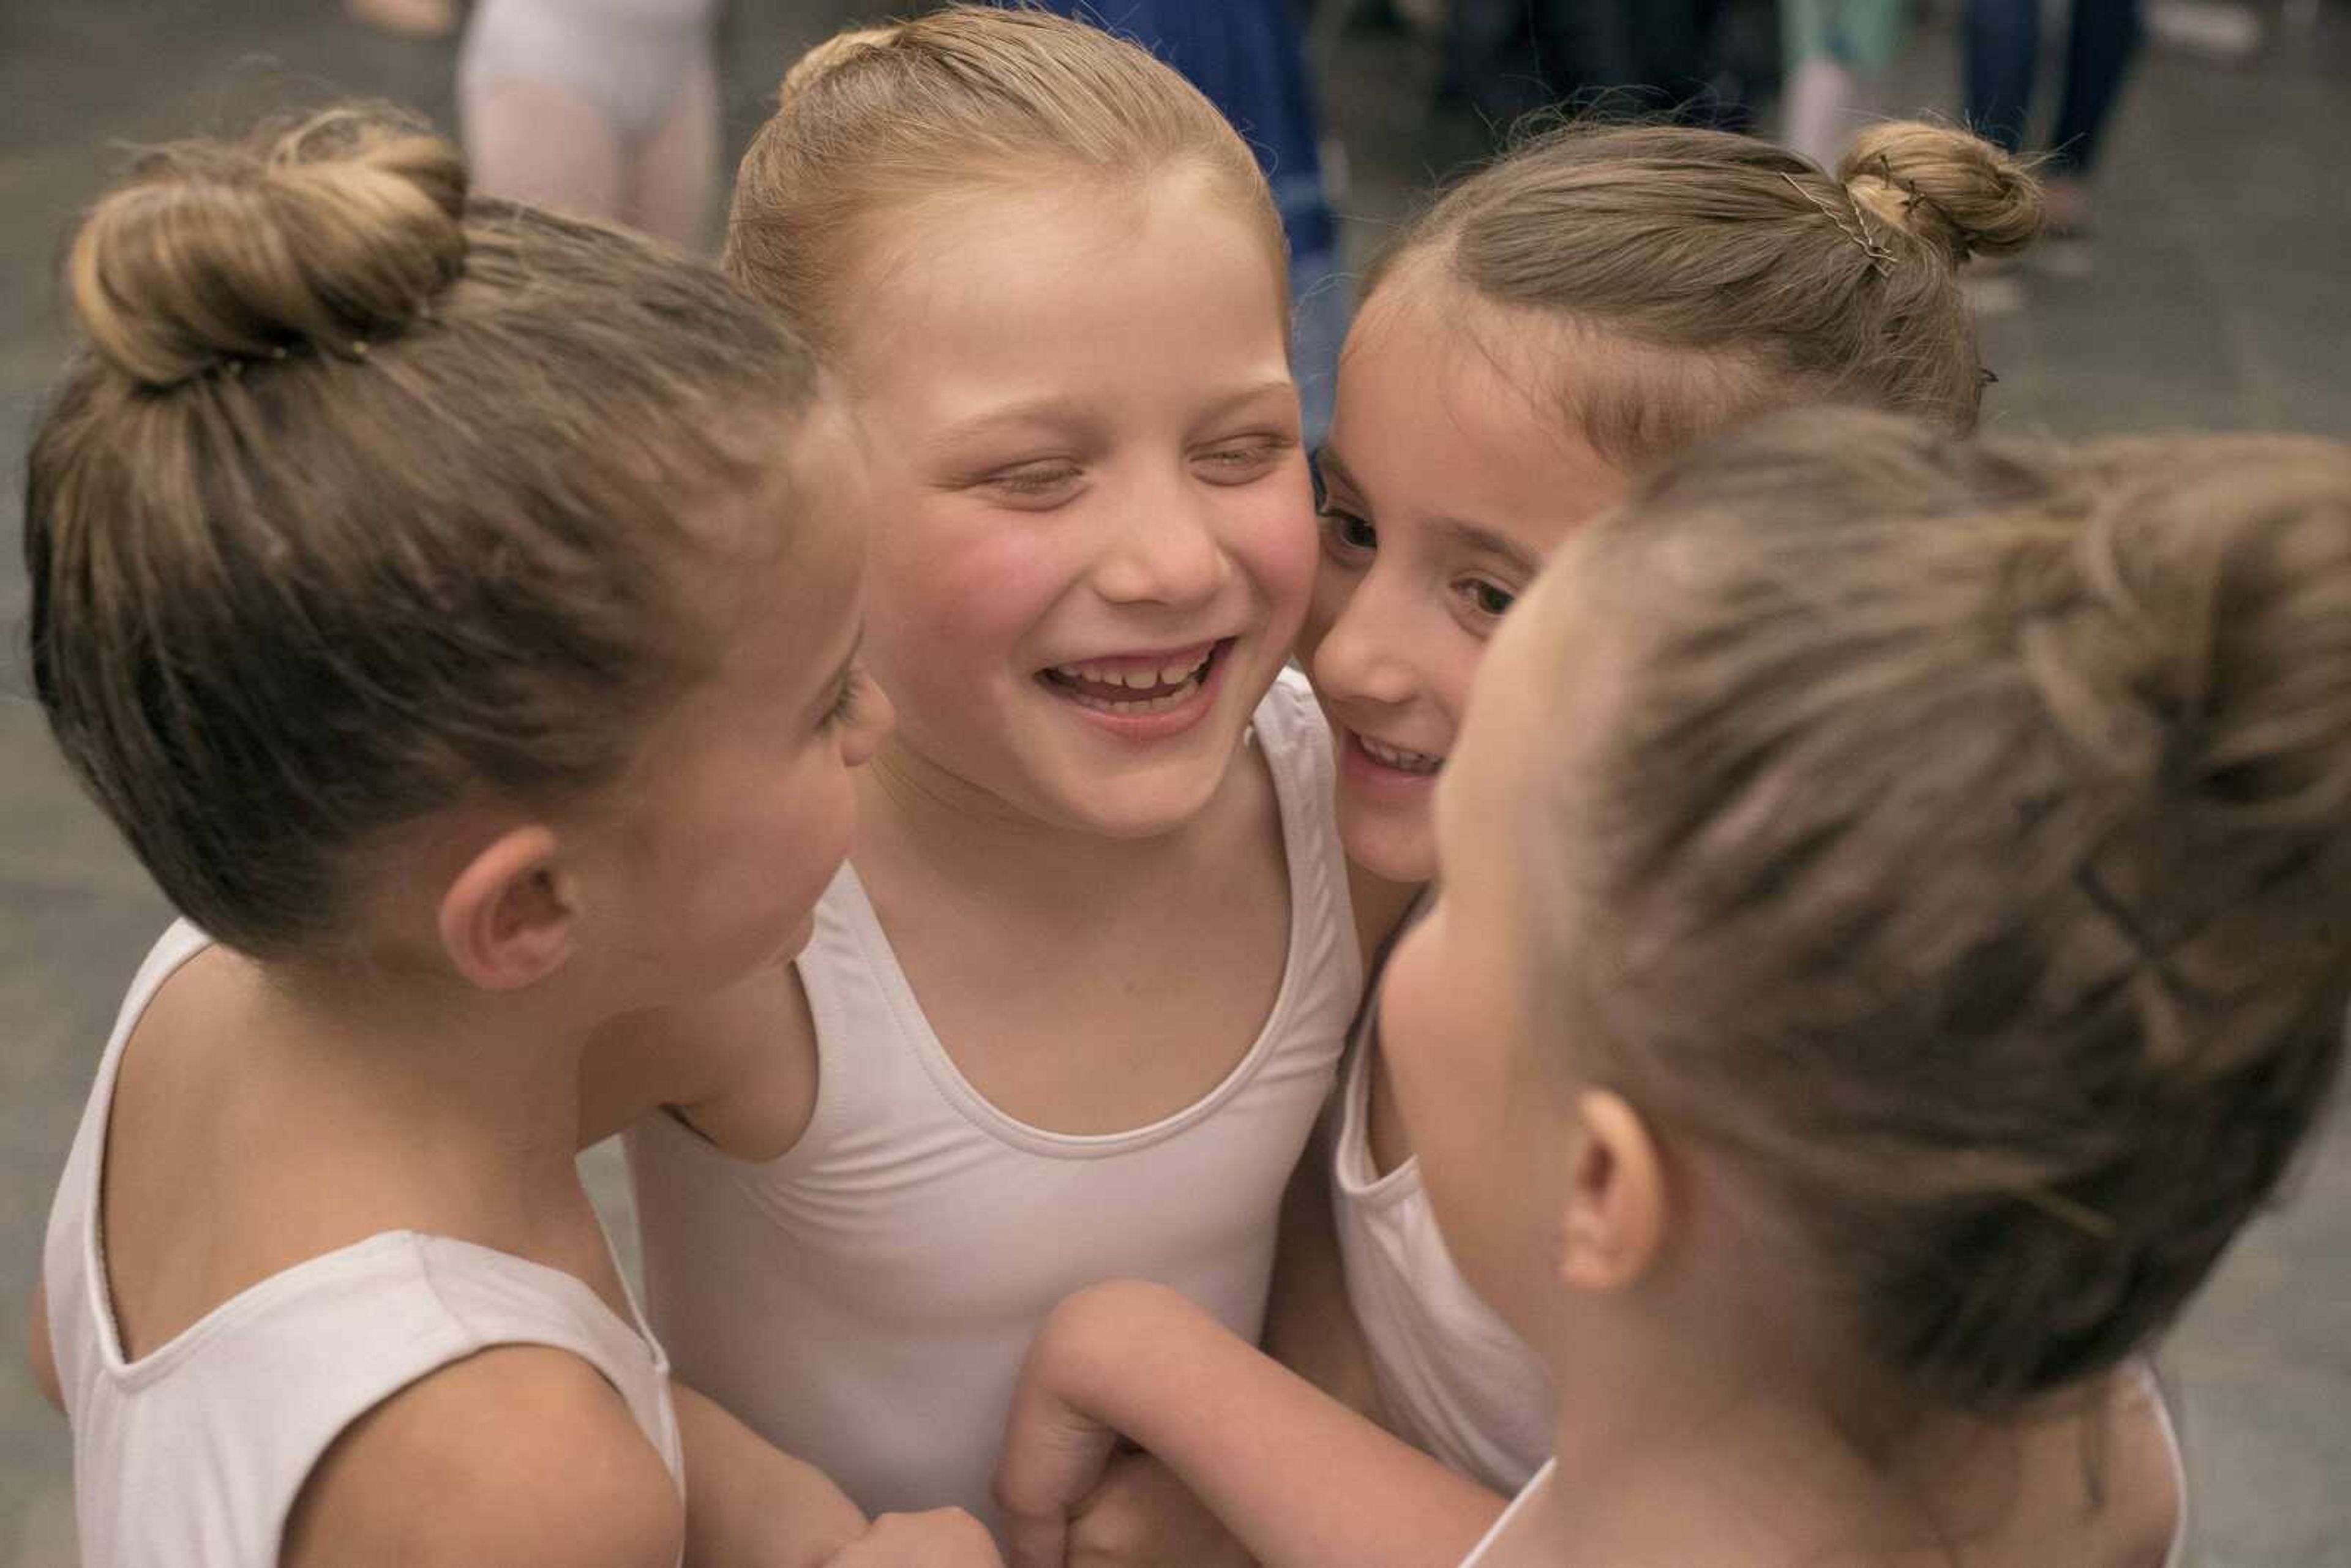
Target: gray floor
2219 301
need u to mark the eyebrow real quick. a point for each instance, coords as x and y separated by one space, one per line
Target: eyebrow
1474 535
1070 411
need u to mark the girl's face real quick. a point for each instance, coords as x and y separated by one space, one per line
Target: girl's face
1481 1095
1095 538
1447 482
740 807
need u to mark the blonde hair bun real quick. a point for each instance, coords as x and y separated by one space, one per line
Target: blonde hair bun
850 44
1955 192
336 230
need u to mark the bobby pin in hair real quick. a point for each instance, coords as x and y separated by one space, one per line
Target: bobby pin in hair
1881 260
2065 1210
1963 239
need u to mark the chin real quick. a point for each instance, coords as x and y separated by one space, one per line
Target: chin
1393 851
1147 807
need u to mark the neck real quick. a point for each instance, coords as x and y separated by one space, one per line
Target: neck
1682 1455
480 1089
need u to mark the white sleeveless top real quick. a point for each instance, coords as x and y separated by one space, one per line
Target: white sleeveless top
866 1300
1453 1379
192 1456
1492 1548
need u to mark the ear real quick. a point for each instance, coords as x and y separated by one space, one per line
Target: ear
1614 1218
506 921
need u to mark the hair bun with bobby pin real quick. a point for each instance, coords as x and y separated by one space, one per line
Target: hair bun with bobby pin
325 235
1955 192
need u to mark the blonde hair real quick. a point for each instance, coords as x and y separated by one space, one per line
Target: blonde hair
1738 275
1973 828
362 497
879 120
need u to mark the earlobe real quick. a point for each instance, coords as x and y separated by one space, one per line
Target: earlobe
506 921
1614 1216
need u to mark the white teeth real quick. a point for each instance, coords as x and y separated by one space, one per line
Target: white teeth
1176 675
1142 680
1150 705
1397 758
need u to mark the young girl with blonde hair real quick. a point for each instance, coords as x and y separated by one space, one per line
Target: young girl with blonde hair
1556 325
1892 941
455 608
1071 1010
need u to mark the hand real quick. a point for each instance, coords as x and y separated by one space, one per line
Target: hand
1142 1516
942 1538
1054 1454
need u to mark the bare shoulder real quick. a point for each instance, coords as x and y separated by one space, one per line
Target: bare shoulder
738 1066
519 1454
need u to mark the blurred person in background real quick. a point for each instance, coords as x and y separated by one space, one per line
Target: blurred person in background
1505 59
603 109
406 18
1836 54
2003 48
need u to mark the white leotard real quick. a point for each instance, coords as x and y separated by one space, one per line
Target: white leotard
192 1456
866 1300
1453 1379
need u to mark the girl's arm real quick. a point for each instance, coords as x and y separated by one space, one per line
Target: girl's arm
750 1505
748 1502
1301 1479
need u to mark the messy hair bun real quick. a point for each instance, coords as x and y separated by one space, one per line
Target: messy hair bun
338 231
307 565
1978 862
1957 192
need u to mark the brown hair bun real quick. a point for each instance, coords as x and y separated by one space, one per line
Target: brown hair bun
335 231
1957 192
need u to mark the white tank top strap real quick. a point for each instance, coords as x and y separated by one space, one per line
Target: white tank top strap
865 1300
197 1451
1454 1379
2153 1384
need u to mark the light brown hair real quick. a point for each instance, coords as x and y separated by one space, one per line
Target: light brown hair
1969 850
1729 276
879 121
362 497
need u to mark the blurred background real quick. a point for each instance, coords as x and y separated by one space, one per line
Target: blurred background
2200 277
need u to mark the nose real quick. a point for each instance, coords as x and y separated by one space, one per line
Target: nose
1166 549
874 719
1365 656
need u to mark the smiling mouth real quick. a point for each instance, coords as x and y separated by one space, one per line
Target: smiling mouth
1133 687
1397 758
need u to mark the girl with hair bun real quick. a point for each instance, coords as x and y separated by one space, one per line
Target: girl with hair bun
457 608
1553 328
1892 942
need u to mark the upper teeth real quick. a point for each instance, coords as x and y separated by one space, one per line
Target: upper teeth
1169 674
1397 757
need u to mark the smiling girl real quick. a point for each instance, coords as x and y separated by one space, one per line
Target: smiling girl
1553 328
1074 1006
